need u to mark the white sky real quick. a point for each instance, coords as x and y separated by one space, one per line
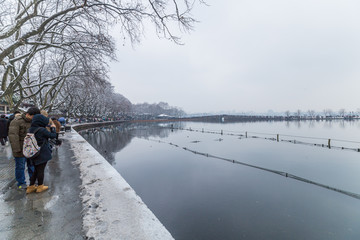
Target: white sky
251 55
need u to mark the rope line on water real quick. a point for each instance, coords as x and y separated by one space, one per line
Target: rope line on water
246 134
285 174
260 133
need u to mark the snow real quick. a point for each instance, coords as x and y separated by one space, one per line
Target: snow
112 210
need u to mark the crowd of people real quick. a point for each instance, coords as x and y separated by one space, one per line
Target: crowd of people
46 131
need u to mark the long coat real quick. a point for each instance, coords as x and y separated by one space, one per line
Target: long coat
3 128
17 132
42 136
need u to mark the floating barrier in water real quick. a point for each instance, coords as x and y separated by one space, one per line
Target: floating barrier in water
282 173
278 139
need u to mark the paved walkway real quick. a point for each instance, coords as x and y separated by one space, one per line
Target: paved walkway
53 214
7 167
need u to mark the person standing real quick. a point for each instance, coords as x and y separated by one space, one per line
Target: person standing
42 136
11 117
45 113
57 126
17 132
3 130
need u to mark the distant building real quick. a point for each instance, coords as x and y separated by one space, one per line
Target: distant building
164 116
4 108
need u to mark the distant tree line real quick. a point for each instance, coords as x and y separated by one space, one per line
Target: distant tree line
325 113
154 110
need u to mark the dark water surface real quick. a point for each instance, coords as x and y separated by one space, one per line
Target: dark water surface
200 197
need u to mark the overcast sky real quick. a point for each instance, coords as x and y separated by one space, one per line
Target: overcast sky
251 55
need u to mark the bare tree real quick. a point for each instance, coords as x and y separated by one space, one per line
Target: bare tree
311 113
92 100
342 112
328 112
156 109
43 44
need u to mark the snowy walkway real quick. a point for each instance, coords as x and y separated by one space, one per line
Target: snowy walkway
53 214
87 198
7 167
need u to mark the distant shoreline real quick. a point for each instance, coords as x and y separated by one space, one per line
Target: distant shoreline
216 119
238 118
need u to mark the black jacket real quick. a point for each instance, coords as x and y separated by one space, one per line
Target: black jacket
42 136
3 128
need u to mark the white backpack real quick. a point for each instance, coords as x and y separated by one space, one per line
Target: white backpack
30 147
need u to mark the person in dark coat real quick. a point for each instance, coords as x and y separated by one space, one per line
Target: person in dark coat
3 129
42 137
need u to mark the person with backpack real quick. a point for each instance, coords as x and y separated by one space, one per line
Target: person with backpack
17 132
42 135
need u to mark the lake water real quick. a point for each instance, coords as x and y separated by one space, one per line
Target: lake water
213 195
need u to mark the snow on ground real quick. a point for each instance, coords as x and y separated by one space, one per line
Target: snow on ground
112 210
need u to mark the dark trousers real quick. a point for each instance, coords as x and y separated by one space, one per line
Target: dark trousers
3 140
38 174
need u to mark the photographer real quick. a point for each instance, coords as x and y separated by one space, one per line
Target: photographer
42 136
56 125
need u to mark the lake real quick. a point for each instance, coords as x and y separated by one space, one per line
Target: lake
248 180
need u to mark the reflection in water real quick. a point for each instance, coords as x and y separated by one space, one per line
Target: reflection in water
342 124
311 124
329 123
200 197
114 138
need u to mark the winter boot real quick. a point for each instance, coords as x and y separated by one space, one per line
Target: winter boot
31 188
41 188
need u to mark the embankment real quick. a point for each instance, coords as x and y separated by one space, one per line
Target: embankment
111 208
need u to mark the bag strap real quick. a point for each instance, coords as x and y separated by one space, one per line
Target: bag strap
45 140
37 130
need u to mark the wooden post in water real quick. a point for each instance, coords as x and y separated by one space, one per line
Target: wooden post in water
329 143
246 134
277 137
221 132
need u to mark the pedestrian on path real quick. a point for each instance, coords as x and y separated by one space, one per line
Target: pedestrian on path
12 117
57 125
17 132
3 130
45 113
42 136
